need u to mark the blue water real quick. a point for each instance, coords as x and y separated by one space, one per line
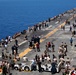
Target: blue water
17 15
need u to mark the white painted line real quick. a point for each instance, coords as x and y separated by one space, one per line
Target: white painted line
22 42
56 22
50 26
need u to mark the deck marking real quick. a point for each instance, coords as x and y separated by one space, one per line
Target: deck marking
26 51
22 42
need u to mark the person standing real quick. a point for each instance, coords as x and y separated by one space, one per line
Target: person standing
53 69
4 70
5 45
49 45
53 47
8 67
71 41
38 39
63 27
53 56
12 49
46 47
16 41
16 48
26 37
39 65
3 55
30 44
71 28
65 46
33 65
12 63
38 47
36 57
73 32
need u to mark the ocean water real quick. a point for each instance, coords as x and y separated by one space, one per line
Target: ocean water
17 15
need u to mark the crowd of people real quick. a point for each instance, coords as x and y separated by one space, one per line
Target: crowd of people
34 43
62 52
